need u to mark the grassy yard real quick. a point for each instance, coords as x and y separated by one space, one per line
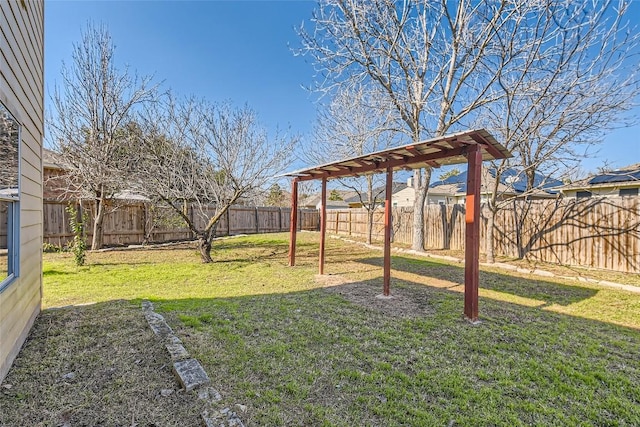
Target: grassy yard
297 349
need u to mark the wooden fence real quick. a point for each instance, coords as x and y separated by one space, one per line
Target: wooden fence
599 233
135 223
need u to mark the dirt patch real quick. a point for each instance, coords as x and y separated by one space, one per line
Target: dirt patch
94 365
404 301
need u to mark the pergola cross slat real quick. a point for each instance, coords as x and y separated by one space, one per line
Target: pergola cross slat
471 147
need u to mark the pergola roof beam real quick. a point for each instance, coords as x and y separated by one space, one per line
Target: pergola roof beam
393 163
434 152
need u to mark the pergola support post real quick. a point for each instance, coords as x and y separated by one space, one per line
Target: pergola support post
293 229
472 237
387 233
323 223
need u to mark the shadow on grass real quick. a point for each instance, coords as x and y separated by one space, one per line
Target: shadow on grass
549 292
52 272
271 243
340 356
330 356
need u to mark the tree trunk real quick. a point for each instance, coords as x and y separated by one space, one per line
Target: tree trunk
418 213
421 187
96 242
370 226
518 232
491 220
370 208
204 246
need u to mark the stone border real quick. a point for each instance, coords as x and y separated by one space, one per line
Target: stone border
190 374
500 265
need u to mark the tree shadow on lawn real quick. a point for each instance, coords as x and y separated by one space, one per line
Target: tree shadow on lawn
540 290
53 272
341 356
335 355
270 242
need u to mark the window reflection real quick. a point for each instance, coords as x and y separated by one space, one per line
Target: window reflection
9 196
8 154
4 248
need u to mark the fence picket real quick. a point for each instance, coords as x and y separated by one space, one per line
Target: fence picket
600 233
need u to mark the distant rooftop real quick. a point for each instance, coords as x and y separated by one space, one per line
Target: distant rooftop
628 175
511 180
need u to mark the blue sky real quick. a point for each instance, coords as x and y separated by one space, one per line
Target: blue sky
231 50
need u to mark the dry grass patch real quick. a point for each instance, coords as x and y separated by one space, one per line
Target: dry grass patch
94 365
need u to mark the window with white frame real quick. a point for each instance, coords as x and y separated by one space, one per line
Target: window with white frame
9 195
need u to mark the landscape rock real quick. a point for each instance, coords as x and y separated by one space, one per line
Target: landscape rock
177 352
210 394
70 376
234 420
159 325
190 374
147 305
208 421
172 339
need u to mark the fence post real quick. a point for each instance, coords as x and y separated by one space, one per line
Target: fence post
257 222
279 218
145 217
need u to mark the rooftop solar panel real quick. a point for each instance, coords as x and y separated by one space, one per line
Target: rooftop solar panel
616 176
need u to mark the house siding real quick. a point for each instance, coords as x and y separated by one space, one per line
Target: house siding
403 198
22 92
613 191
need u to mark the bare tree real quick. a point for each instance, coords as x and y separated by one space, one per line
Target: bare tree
204 157
353 124
427 57
90 113
444 65
572 73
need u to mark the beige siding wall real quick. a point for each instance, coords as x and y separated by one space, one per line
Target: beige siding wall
599 191
21 91
403 198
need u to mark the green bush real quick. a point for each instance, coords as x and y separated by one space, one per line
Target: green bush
51 248
78 246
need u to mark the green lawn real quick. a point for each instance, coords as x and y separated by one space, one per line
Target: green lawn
298 350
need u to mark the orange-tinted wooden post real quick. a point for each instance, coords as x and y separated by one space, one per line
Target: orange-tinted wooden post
472 233
323 223
293 229
387 233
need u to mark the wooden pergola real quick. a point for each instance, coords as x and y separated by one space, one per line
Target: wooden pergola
471 147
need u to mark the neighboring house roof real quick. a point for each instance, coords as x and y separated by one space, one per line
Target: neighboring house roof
314 199
512 182
378 192
626 176
130 195
51 159
444 190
